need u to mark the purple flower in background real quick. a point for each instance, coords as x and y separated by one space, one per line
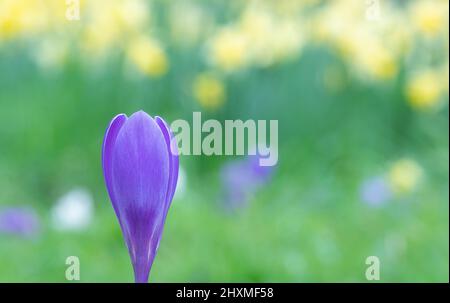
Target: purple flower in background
375 191
141 175
243 178
22 221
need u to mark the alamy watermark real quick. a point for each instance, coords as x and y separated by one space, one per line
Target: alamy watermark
373 271
73 269
73 10
236 137
373 11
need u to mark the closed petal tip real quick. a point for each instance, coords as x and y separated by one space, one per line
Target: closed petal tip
110 136
141 115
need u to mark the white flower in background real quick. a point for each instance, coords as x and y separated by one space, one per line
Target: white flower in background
51 54
73 211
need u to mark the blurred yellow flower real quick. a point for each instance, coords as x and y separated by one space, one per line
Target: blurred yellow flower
391 29
430 16
100 36
336 20
131 15
371 48
424 89
257 26
404 176
228 49
287 39
9 25
19 17
258 38
367 54
109 23
209 91
148 56
188 22
260 33
379 62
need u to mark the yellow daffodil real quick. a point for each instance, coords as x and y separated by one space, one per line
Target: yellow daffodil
404 176
21 17
229 49
430 16
148 56
209 91
379 62
258 28
131 15
424 89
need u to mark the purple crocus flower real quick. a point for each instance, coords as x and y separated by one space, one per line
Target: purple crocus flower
21 221
241 179
141 172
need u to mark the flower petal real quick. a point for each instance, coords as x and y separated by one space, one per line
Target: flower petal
173 168
173 156
140 177
108 145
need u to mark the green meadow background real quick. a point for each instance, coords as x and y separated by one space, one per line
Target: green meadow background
351 104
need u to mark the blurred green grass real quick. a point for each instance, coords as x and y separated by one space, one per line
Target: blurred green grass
343 118
308 225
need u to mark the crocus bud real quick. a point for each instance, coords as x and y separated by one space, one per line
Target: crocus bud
141 172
